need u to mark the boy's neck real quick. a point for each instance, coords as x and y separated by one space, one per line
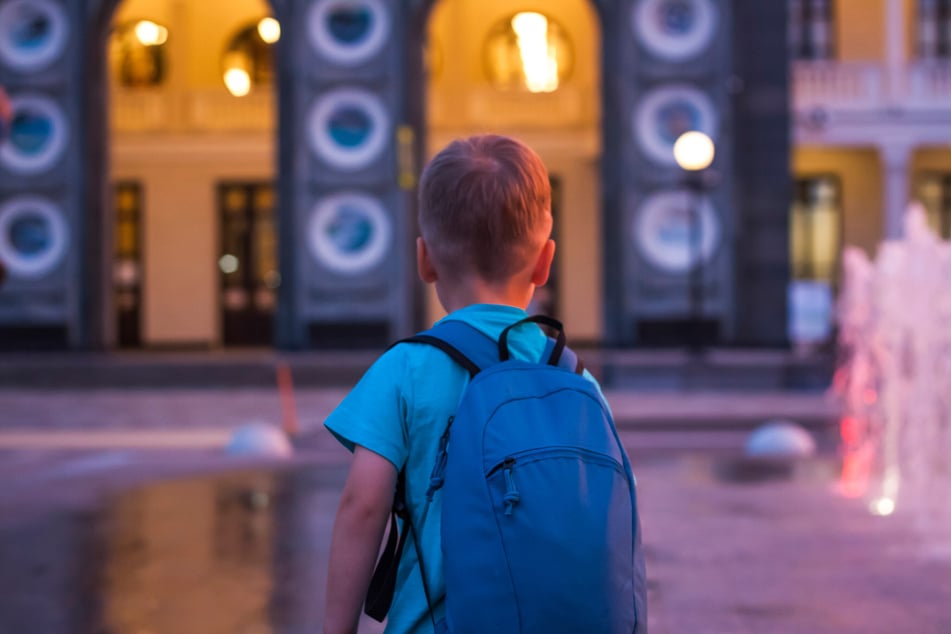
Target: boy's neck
477 291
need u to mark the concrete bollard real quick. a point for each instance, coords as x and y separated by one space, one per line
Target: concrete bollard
780 439
259 439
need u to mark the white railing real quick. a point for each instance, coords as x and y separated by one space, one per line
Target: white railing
218 110
837 85
140 111
869 86
205 110
489 107
929 84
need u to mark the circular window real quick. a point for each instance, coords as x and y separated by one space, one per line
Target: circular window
349 233
348 32
137 53
33 236
248 60
528 51
32 33
675 30
663 231
38 134
348 128
666 113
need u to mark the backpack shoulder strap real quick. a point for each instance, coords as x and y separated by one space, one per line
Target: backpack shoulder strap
464 344
474 350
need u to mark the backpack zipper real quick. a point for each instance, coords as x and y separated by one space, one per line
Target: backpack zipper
438 475
512 496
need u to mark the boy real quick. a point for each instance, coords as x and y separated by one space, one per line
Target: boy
485 219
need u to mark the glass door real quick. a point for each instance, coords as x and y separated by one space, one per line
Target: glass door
247 263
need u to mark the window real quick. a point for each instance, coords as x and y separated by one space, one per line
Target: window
127 263
934 192
247 60
527 51
816 229
137 53
811 29
934 29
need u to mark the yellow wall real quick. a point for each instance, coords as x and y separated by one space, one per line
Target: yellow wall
198 33
461 25
860 30
181 227
859 171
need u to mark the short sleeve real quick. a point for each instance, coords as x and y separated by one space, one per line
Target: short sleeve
373 414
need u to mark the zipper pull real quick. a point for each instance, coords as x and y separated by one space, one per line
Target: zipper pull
438 475
512 496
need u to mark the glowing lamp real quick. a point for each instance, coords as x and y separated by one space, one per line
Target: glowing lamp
269 29
694 151
238 81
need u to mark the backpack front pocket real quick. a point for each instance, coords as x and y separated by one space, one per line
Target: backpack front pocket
565 522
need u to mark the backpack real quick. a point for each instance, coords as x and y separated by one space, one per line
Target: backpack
540 531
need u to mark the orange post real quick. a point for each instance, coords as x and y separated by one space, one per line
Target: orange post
285 388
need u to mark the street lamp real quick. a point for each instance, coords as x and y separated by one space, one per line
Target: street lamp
694 152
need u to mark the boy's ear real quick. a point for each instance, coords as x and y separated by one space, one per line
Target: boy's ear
543 264
424 263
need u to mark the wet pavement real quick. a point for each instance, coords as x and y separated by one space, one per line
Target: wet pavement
225 546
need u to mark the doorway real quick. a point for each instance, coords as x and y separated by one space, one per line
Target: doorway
247 262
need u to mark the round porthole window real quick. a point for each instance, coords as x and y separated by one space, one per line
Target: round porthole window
37 135
348 128
348 32
675 30
666 113
349 233
663 231
32 34
33 236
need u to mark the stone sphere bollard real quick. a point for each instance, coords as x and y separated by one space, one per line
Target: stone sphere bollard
259 439
780 439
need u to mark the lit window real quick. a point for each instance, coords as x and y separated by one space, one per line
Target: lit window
816 229
528 51
811 29
934 192
934 29
247 60
137 53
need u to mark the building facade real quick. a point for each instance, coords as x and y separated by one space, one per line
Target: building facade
872 126
243 172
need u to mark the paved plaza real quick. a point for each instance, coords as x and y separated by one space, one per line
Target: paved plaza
121 513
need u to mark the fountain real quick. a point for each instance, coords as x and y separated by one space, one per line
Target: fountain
895 379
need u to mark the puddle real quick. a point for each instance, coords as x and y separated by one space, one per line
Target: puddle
233 554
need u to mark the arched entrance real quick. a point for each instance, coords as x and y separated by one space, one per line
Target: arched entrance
192 147
535 75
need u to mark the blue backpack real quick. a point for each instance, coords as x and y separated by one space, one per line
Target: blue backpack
540 531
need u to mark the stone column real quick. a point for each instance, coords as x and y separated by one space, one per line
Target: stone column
896 159
896 51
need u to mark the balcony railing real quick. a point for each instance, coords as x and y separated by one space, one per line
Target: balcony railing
837 85
929 83
204 110
847 86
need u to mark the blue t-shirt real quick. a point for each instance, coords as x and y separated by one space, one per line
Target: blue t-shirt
399 410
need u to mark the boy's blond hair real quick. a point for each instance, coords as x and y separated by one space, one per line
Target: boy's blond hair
485 207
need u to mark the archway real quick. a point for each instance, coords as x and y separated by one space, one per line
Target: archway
191 247
535 75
